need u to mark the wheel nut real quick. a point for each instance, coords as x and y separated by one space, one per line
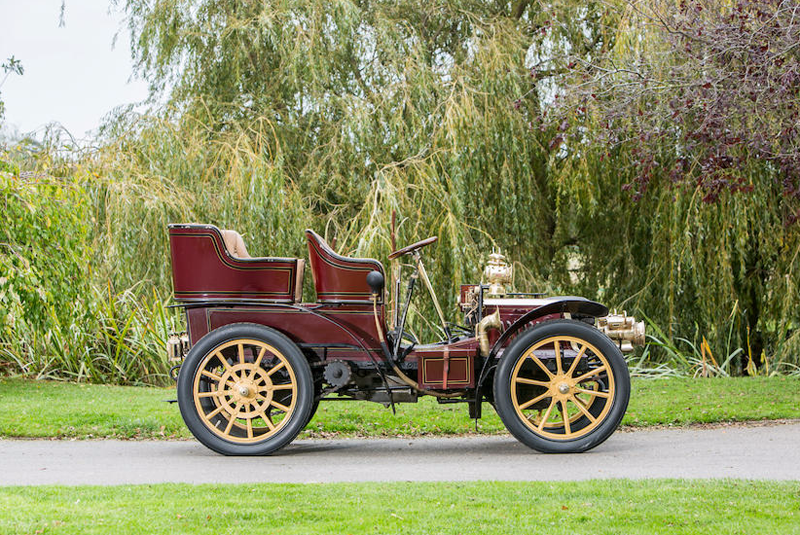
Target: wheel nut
563 388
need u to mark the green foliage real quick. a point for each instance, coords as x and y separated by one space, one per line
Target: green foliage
56 320
339 114
39 409
281 116
705 242
44 250
611 506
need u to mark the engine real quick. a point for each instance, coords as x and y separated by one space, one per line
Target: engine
490 305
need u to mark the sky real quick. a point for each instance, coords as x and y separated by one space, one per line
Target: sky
74 75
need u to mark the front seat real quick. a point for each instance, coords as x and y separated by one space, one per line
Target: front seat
338 279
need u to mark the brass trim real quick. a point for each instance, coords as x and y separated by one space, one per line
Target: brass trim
491 321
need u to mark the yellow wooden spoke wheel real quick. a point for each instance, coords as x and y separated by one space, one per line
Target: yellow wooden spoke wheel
564 403
245 389
562 386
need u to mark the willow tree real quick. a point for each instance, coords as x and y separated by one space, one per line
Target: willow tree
683 139
335 114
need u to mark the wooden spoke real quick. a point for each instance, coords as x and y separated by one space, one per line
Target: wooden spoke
257 363
532 382
215 393
579 401
590 373
249 428
576 360
579 404
236 410
597 393
215 412
279 406
223 360
210 375
557 347
565 417
547 414
287 386
267 419
275 368
532 401
539 363
241 353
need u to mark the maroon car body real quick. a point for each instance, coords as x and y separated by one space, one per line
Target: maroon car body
246 314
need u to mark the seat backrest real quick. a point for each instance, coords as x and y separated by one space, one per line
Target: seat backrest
339 278
234 244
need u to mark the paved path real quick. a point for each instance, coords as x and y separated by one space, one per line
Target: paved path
763 452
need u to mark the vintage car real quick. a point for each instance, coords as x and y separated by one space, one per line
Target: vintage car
255 361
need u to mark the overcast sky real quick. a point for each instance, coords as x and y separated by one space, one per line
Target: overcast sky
73 76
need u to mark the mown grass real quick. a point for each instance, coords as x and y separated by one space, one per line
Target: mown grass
40 409
614 506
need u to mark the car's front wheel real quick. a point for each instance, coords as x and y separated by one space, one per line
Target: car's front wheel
562 387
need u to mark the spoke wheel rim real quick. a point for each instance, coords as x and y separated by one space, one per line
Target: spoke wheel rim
245 391
586 396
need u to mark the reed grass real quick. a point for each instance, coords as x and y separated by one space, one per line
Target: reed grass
348 114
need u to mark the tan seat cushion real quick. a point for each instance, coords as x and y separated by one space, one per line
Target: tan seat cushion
234 244
298 282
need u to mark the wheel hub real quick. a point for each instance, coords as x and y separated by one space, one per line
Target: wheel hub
561 386
246 390
251 389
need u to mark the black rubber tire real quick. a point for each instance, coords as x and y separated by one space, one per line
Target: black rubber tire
502 387
305 389
312 412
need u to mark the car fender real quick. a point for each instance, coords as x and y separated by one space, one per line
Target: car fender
561 305
574 306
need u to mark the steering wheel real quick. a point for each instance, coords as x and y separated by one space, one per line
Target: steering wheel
413 247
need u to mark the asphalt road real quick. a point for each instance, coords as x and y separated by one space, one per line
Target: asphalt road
758 452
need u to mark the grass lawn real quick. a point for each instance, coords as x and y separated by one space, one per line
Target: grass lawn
597 507
50 409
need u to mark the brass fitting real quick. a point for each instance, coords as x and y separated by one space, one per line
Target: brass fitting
177 346
491 321
624 329
497 273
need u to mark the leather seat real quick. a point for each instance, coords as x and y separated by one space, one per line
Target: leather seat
234 244
338 278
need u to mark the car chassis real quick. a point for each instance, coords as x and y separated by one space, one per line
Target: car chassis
255 361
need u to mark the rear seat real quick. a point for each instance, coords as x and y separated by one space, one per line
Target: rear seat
236 248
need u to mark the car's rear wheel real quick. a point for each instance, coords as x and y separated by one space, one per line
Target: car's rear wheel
245 389
562 387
